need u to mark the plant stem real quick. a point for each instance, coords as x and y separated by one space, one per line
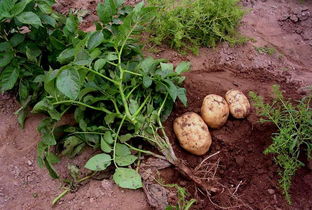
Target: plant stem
60 196
145 151
83 104
134 73
116 138
101 75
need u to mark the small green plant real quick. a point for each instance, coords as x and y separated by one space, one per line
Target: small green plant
266 50
182 194
294 135
189 24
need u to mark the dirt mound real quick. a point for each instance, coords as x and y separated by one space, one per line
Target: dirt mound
243 167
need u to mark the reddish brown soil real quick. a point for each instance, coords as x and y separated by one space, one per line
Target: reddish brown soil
281 24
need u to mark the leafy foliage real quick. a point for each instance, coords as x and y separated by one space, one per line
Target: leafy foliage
182 194
188 24
29 44
294 133
116 95
266 50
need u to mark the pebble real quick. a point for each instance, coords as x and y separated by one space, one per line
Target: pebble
29 163
271 191
294 18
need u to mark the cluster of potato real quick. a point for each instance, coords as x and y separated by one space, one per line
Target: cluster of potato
192 130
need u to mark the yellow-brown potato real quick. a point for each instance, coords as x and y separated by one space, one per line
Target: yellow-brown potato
238 103
214 111
192 133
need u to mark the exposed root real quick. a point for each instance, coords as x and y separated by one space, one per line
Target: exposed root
186 171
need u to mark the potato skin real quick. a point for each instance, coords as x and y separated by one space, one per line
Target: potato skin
238 103
214 111
192 133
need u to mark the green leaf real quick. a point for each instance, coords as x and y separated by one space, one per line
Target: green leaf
46 19
23 91
127 178
68 82
172 89
6 6
52 158
66 56
105 147
32 53
122 150
108 137
21 116
71 23
98 162
17 39
71 144
147 81
5 58
109 118
29 18
83 58
99 64
95 40
166 68
51 169
48 139
125 160
133 106
45 106
8 78
106 10
182 96
5 47
111 56
45 7
182 67
19 7
126 137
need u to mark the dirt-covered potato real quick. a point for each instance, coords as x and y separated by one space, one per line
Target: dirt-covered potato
192 133
214 111
238 103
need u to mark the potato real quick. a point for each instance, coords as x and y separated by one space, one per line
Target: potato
214 111
192 133
238 103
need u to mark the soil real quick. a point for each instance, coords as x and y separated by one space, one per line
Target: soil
248 177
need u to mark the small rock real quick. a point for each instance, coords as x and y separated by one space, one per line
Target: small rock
271 191
29 162
294 18
304 15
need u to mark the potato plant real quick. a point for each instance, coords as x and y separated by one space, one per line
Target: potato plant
115 95
118 97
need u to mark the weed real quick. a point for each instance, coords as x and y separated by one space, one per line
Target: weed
294 135
266 50
182 194
189 24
